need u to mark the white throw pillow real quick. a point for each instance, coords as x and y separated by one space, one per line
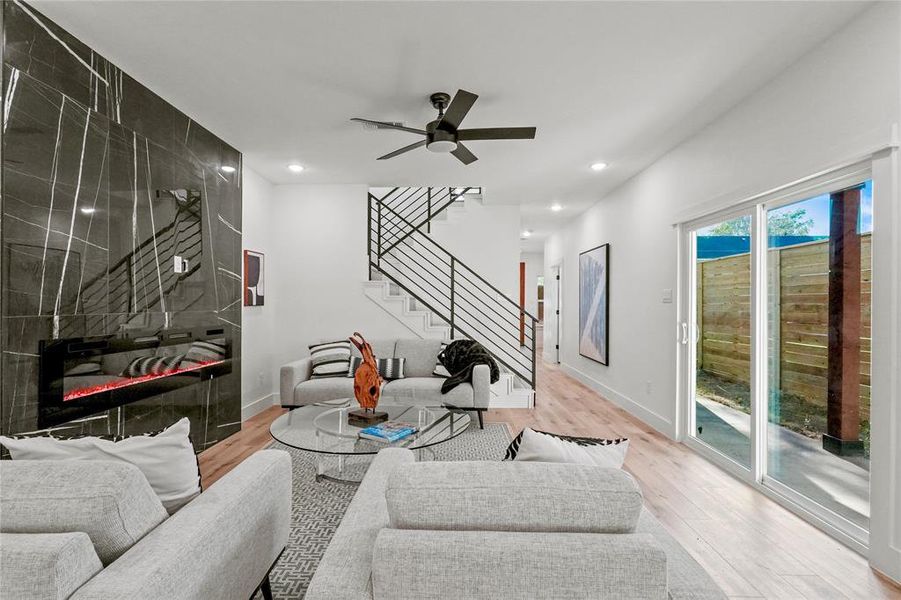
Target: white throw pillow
166 458
540 447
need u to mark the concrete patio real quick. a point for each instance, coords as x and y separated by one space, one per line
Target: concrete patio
839 484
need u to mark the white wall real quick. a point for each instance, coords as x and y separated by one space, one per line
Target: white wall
839 102
257 378
836 104
485 238
314 238
534 269
316 270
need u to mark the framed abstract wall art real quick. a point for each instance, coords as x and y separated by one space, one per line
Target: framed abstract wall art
254 278
594 304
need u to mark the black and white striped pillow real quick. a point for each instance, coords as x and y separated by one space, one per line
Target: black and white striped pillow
389 368
152 365
440 369
330 359
204 351
513 448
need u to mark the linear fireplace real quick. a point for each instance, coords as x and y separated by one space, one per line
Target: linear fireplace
83 376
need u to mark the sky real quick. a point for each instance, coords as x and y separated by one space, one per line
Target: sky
817 208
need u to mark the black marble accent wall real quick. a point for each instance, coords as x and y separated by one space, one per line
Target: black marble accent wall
98 174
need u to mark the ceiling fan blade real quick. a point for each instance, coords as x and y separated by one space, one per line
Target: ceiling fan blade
464 155
384 125
457 109
497 133
418 144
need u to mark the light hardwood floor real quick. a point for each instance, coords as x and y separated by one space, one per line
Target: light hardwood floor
753 547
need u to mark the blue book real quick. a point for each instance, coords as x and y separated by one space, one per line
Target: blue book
389 431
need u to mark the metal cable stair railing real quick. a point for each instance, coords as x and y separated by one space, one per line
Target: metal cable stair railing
414 209
473 308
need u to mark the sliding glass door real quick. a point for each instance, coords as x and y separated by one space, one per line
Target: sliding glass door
818 274
722 335
800 368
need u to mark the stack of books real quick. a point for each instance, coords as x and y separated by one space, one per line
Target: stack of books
388 432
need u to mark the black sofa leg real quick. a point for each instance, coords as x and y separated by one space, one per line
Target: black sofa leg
481 422
264 586
266 589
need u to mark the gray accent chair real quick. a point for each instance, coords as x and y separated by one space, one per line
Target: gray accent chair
418 387
92 530
481 530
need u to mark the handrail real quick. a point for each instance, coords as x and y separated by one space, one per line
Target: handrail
431 212
455 320
395 281
399 249
467 267
462 308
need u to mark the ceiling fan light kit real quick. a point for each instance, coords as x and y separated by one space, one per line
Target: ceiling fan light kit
439 140
443 135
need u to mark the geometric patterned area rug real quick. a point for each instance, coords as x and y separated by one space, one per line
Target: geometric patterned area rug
318 507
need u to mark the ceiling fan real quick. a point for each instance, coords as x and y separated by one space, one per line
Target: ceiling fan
444 133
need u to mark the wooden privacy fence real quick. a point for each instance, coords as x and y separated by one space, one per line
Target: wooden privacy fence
798 277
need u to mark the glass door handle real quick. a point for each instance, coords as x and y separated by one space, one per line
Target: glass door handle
684 333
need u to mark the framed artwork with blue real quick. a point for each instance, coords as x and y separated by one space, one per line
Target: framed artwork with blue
594 304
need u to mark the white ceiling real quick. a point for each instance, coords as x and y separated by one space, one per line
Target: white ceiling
614 82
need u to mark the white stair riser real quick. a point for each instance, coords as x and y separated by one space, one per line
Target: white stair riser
417 321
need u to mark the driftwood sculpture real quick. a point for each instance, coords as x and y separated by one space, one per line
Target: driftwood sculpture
367 382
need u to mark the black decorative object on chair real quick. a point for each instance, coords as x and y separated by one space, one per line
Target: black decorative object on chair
460 357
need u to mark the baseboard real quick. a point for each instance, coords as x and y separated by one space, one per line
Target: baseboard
888 566
258 406
661 424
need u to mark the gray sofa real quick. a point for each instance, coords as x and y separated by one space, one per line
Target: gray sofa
92 530
480 530
418 387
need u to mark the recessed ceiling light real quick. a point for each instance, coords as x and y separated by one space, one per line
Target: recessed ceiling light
556 207
87 209
599 166
527 233
227 169
295 168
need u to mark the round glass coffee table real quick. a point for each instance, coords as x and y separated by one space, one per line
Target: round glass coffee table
342 455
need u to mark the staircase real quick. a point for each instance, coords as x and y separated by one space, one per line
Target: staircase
435 295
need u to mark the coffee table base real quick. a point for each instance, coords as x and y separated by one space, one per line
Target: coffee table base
350 469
